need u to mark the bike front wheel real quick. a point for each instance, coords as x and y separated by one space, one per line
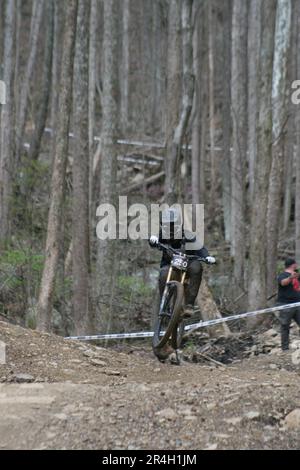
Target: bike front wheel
168 316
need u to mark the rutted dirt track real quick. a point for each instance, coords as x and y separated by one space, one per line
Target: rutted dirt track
84 397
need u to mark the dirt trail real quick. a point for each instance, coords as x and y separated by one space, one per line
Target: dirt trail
85 397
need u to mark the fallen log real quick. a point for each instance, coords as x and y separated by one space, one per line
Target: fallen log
144 181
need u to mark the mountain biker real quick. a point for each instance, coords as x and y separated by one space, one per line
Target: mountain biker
172 233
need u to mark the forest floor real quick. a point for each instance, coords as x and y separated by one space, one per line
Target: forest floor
61 394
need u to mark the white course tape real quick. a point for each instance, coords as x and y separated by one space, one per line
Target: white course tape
139 334
194 326
241 315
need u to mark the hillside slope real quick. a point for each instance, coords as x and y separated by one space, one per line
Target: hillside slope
69 395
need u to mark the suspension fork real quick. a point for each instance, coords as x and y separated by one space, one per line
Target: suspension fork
169 276
163 297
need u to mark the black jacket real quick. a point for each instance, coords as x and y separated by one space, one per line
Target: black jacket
182 244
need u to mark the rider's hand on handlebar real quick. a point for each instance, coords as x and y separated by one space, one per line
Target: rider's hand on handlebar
210 259
153 241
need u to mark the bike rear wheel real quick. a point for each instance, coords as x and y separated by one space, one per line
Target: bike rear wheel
168 315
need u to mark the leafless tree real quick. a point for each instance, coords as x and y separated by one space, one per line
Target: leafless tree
36 22
254 26
211 93
226 121
200 106
58 175
297 149
43 106
279 106
257 287
106 257
81 258
174 143
7 147
239 124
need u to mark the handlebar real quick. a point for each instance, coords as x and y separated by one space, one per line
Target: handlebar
178 252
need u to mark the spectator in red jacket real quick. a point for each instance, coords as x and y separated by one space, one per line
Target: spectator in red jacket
288 293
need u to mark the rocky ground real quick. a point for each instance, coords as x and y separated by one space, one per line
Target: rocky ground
60 394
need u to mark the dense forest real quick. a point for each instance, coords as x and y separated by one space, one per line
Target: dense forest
190 101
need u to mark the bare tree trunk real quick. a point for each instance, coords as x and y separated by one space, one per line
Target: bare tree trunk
173 90
93 76
297 146
7 122
157 102
41 117
92 70
226 121
288 173
257 292
297 208
36 21
147 67
200 110
289 166
239 122
2 16
279 105
196 126
211 93
174 150
81 258
254 26
106 248
56 62
203 138
125 66
17 78
136 79
44 307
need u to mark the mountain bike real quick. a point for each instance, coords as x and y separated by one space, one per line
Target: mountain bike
169 325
